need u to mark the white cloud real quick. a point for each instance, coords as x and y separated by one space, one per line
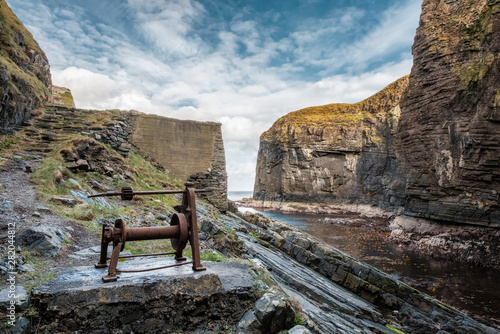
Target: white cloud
90 90
168 25
239 128
245 77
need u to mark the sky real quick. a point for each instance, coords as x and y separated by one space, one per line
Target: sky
243 63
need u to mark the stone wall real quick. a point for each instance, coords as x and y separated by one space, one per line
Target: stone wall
188 150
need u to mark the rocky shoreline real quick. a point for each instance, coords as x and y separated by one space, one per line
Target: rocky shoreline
365 210
455 242
475 245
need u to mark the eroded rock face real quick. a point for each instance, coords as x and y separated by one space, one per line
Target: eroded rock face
334 152
449 128
89 155
25 80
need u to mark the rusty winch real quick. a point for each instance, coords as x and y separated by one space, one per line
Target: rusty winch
183 228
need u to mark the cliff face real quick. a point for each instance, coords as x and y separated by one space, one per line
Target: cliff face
334 152
440 162
450 115
25 80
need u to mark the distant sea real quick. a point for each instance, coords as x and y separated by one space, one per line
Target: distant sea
238 195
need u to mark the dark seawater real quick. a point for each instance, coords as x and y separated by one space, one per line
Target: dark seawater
472 289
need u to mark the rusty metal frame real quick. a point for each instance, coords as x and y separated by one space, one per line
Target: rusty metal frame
183 228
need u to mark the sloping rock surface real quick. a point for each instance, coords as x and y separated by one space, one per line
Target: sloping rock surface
337 292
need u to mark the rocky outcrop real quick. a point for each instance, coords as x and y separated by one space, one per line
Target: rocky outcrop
271 313
62 96
25 80
90 156
335 152
45 239
336 292
449 133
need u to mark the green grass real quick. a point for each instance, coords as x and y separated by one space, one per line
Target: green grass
298 320
392 329
9 145
67 99
149 246
39 276
145 177
39 280
148 177
207 255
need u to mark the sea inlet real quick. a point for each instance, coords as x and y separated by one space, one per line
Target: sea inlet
471 289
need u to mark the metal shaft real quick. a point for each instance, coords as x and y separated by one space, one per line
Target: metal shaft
152 233
149 192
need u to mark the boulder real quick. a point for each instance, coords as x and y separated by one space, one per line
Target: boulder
20 296
21 326
299 329
45 239
272 313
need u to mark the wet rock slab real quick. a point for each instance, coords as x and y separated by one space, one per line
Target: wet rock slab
172 299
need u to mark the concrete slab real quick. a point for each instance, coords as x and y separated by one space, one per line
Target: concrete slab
176 298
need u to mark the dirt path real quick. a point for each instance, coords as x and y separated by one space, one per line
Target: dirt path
19 205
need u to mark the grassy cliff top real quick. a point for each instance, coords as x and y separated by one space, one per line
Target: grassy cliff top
18 57
12 30
340 114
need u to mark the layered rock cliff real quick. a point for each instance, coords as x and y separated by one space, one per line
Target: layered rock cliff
25 80
335 152
440 162
449 134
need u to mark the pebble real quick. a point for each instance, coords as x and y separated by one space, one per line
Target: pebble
5 206
21 297
22 326
42 208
